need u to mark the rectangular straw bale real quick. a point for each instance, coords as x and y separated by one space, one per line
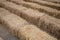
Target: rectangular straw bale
29 14
31 32
32 16
47 10
50 24
45 3
11 21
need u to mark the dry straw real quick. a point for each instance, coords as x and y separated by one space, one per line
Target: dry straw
22 11
48 10
20 28
45 3
44 21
